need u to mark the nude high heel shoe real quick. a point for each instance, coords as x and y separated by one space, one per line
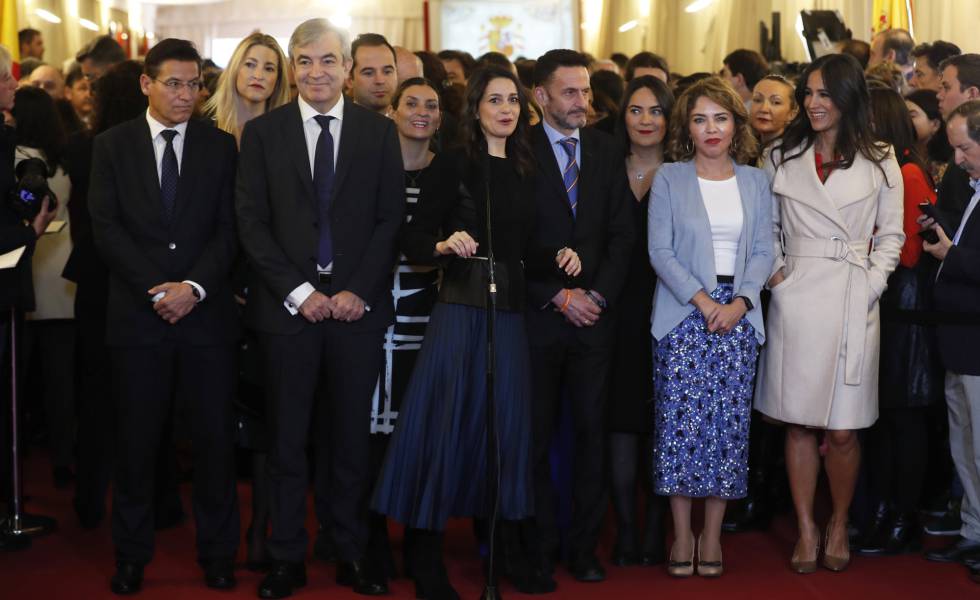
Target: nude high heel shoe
681 568
708 568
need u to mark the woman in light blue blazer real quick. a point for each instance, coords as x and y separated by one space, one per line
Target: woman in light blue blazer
710 242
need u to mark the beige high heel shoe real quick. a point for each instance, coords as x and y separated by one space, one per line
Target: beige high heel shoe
712 568
681 568
830 562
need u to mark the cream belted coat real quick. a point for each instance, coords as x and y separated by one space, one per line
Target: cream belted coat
838 242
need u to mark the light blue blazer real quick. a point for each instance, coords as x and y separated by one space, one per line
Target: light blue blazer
682 252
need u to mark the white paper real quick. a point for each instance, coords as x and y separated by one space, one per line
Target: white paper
55 226
10 259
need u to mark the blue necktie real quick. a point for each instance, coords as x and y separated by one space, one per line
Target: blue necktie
322 186
169 175
570 172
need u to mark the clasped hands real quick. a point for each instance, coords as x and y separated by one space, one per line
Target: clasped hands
342 306
720 318
178 299
463 245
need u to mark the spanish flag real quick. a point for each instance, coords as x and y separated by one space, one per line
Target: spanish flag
891 14
8 28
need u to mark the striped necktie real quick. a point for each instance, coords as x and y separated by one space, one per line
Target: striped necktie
570 172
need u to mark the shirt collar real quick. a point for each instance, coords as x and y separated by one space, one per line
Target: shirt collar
555 136
156 126
975 184
307 112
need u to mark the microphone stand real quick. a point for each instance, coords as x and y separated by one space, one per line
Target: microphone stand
491 592
16 530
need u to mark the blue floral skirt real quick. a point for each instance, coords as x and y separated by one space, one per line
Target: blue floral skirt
703 406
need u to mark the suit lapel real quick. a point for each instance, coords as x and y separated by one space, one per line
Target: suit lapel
146 162
548 167
349 142
190 164
292 129
586 175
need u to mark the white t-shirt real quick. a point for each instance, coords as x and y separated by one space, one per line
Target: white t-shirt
724 207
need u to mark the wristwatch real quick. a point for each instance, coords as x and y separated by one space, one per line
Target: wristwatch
748 303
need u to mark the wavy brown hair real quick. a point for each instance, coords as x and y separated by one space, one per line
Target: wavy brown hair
744 147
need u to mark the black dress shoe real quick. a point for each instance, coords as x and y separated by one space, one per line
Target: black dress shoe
220 574
587 569
949 523
128 578
975 574
959 551
282 580
362 577
900 535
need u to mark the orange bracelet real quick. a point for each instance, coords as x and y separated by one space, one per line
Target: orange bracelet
568 300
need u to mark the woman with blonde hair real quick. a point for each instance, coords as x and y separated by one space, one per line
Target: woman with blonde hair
253 84
710 242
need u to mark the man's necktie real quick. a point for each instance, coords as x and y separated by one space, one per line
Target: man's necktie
570 172
169 175
322 186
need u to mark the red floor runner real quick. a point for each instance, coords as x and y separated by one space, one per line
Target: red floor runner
76 564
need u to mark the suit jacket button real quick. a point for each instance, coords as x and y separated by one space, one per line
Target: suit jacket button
172 246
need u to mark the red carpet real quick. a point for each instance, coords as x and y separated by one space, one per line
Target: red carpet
76 564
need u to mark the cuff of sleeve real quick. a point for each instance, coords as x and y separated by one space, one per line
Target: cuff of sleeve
201 294
297 297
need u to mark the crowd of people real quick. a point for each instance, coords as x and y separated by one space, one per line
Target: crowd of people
705 286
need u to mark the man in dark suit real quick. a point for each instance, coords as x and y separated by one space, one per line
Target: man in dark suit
570 319
319 202
161 197
957 296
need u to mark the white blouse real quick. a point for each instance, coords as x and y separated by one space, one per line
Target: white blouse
723 204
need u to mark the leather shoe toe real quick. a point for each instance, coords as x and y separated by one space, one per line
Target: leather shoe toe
128 578
220 575
362 577
588 570
959 551
282 580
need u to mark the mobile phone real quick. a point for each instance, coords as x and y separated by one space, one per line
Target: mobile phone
929 209
929 235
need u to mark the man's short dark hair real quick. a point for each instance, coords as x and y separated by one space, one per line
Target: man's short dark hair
103 50
464 58
967 69
751 65
74 74
552 60
859 49
969 110
935 53
645 60
497 59
170 49
900 41
371 40
620 59
27 35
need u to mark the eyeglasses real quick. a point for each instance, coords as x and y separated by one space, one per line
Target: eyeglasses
175 85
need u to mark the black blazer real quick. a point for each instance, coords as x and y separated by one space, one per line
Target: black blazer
142 250
602 232
278 216
957 294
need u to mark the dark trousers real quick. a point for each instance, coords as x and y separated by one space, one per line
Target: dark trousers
50 345
570 368
147 379
898 453
345 363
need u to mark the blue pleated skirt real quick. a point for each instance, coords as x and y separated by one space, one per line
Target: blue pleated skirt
703 407
436 463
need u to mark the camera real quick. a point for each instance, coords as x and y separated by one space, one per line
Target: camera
28 194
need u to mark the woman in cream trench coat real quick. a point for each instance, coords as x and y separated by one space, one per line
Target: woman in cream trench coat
838 237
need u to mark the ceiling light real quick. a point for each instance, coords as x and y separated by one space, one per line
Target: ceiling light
627 26
90 25
342 21
697 5
47 15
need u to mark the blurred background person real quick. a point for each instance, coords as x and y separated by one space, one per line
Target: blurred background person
859 49
98 55
407 64
773 106
50 333
910 373
48 79
31 43
642 124
931 143
79 93
926 59
607 94
894 46
374 75
458 65
743 69
646 63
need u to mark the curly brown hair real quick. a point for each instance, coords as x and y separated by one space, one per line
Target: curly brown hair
744 147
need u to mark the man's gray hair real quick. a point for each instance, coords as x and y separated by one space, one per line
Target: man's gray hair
6 61
312 30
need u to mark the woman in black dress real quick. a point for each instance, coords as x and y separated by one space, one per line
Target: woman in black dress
642 130
436 462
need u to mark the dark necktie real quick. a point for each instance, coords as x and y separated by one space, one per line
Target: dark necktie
169 175
322 186
570 173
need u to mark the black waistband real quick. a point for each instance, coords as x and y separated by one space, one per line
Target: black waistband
725 278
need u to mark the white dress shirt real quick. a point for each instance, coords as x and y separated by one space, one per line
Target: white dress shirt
312 129
159 146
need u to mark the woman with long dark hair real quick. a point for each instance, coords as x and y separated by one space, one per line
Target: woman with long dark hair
838 226
710 241
931 145
911 374
642 127
436 463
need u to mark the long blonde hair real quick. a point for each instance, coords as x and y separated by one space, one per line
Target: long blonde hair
226 103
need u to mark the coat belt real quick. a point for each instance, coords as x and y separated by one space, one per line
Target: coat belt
855 254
